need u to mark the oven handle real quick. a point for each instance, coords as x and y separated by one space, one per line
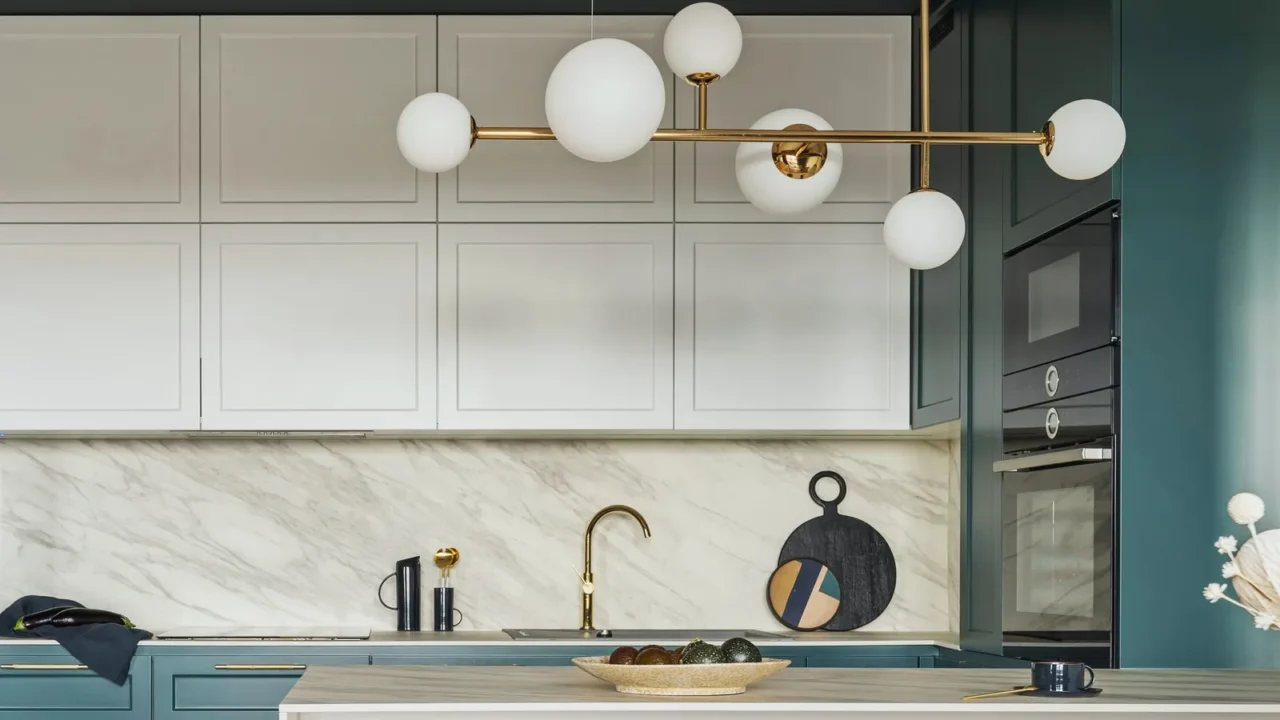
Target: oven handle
1070 456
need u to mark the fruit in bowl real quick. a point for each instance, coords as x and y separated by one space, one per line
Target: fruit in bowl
698 668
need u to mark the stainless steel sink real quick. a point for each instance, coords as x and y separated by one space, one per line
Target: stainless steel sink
645 636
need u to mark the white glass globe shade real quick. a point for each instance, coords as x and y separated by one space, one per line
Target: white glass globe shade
604 100
702 38
766 187
1088 137
924 229
434 132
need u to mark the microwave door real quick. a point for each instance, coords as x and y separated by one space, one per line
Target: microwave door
1059 294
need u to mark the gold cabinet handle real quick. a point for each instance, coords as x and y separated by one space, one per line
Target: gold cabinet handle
259 667
39 666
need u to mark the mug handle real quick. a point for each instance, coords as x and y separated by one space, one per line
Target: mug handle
380 586
460 617
1090 683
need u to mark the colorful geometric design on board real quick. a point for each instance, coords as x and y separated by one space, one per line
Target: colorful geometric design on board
804 594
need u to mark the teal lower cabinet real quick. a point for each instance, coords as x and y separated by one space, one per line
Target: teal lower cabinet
948 658
231 687
49 684
495 659
824 661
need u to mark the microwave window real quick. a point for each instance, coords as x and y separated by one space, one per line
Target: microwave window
1053 298
1055 552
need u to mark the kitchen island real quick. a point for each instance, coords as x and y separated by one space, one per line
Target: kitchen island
483 693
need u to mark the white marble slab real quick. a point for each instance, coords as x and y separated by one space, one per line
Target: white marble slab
300 532
426 689
496 638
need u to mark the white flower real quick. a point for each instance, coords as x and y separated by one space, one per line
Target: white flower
1246 508
1264 621
1230 570
1226 545
1213 592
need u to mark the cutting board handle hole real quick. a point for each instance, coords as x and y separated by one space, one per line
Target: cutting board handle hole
841 489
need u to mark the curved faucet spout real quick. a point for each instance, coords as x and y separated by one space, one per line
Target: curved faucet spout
588 586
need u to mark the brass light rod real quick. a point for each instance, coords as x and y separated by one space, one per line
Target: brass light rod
840 136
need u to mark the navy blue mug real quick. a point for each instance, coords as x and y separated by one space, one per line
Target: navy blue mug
1062 677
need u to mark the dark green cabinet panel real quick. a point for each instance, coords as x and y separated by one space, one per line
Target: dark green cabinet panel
865 662
57 693
231 687
980 518
938 296
492 659
948 658
1057 52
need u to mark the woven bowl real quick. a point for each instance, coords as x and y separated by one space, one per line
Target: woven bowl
709 679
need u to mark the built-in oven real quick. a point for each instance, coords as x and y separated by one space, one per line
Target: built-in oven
1059 488
1059 293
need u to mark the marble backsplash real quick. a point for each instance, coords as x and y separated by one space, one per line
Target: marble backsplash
219 532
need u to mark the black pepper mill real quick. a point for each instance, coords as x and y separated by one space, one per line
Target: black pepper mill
445 559
408 605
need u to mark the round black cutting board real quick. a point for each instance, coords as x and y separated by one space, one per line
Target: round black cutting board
857 554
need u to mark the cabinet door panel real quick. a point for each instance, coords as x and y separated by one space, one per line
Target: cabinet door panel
498 67
555 326
319 327
865 662
58 692
100 120
299 118
104 328
515 660
1070 49
209 687
855 72
793 333
938 295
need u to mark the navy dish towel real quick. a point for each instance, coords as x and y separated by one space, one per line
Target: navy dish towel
105 648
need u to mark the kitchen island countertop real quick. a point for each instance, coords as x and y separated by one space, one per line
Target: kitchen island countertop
408 692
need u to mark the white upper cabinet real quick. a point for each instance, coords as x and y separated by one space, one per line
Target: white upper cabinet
779 328
99 119
318 327
557 327
299 118
498 67
101 327
855 72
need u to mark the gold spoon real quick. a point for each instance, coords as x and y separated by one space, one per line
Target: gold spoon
1015 691
446 558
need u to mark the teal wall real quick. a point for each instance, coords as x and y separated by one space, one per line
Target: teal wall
1200 279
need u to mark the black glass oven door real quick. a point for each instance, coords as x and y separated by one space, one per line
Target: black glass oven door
1059 294
1057 557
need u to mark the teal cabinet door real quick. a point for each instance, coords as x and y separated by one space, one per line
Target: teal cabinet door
948 658
899 661
53 686
243 687
495 659
1056 52
938 297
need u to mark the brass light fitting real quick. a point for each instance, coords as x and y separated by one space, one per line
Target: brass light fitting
588 583
798 159
799 151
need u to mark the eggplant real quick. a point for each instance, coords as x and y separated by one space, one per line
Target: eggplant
69 616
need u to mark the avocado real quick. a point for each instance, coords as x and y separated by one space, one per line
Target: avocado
625 655
700 653
740 650
653 656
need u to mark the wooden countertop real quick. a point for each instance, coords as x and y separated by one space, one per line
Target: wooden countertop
372 689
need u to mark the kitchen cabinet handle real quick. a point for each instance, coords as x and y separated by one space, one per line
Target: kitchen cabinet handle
40 666
259 667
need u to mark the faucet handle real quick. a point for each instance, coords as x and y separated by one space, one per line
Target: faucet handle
588 587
